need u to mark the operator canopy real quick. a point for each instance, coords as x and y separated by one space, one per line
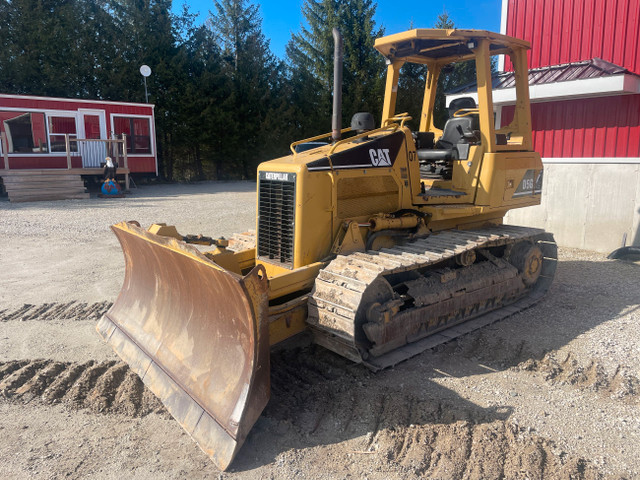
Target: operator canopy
427 45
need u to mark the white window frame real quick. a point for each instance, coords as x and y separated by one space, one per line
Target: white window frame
96 113
152 133
47 113
73 115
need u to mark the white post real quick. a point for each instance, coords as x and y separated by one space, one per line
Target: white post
5 150
126 160
67 146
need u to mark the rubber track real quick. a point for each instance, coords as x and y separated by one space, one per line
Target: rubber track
340 286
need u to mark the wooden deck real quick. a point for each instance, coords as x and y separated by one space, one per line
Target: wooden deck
31 185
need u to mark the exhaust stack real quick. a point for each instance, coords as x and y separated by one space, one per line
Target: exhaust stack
336 120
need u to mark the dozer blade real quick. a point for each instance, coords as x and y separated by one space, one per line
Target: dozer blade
196 334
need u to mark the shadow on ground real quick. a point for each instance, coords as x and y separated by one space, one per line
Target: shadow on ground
320 399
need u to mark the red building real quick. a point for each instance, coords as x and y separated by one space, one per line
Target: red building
587 116
62 133
584 82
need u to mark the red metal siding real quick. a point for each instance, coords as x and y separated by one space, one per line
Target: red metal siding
136 164
64 104
562 31
592 127
142 164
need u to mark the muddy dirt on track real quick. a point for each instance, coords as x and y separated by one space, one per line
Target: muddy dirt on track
552 392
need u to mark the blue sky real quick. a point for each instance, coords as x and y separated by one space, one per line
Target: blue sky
281 17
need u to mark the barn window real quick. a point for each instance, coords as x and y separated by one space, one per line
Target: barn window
25 132
59 127
138 131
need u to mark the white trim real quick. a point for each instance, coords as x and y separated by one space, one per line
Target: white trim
93 112
77 100
548 92
498 113
593 160
47 114
57 113
503 30
152 134
153 139
38 110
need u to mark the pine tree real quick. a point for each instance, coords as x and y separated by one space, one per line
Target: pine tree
450 78
310 54
253 71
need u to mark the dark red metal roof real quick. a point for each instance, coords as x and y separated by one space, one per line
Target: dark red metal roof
594 68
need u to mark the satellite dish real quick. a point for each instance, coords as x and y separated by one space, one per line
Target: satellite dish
145 71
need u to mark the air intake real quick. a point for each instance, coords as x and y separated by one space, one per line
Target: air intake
276 217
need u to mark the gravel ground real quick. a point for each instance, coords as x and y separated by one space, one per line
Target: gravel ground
551 392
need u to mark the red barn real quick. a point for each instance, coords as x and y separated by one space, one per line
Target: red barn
585 91
45 134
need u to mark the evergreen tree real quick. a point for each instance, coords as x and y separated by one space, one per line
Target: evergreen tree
310 53
450 77
411 85
253 72
42 48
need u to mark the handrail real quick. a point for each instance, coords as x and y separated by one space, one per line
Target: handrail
362 135
111 148
293 146
107 140
5 150
403 117
465 112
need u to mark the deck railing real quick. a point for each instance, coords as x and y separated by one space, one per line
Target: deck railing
92 151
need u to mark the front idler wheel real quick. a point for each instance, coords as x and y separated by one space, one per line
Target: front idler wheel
527 258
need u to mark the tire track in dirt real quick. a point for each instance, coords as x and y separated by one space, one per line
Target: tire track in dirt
102 387
555 367
564 369
56 311
320 400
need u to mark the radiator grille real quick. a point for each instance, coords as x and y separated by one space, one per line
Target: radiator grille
276 215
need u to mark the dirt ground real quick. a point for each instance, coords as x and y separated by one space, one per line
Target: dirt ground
551 392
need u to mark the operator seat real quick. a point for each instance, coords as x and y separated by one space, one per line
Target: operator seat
458 130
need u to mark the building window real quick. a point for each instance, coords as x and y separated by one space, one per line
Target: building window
138 131
92 126
25 132
58 128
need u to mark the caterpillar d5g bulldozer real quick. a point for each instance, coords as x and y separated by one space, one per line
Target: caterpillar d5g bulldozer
382 242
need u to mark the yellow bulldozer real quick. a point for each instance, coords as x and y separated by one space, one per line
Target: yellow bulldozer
380 241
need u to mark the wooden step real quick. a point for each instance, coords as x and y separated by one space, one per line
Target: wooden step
38 178
31 186
36 185
39 198
49 191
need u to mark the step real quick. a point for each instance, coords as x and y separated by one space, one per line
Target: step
38 178
38 198
38 193
45 185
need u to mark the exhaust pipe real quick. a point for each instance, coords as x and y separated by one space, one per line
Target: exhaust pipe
336 120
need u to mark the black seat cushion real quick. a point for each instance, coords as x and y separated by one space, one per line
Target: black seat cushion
426 154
